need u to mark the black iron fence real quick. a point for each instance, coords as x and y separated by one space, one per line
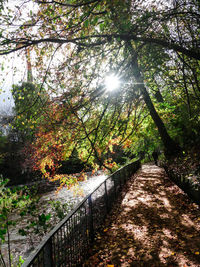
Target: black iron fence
186 184
68 243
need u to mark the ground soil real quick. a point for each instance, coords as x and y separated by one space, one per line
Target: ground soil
153 224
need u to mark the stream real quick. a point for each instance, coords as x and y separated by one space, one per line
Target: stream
24 245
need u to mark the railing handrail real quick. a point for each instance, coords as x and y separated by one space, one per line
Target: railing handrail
60 224
63 221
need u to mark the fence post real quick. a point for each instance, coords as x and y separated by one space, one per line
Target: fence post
48 255
91 226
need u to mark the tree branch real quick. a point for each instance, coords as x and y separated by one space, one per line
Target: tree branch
103 39
68 5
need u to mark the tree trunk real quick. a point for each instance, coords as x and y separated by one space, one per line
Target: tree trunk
171 147
159 97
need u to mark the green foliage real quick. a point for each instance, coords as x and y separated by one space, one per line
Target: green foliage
86 42
20 261
11 201
60 209
83 43
29 100
101 37
37 221
23 202
39 224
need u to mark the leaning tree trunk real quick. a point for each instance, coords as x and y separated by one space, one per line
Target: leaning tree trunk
171 147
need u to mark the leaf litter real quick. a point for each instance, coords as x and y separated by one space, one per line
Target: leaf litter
153 223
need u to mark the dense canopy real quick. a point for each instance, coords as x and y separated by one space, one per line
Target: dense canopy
153 47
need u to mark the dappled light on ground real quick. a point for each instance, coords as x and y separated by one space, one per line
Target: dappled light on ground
153 224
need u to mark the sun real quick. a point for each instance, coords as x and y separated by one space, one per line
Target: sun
112 82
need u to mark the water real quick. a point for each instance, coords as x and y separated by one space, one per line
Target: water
24 245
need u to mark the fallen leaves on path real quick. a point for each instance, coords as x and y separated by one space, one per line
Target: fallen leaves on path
152 224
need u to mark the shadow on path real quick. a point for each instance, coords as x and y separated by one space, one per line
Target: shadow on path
153 224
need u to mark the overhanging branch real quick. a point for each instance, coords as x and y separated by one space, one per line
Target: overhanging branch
100 39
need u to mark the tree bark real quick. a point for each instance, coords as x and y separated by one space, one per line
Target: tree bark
171 147
159 97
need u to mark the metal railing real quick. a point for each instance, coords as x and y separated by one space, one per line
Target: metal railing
68 243
187 185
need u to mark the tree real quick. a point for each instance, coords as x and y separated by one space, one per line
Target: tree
92 130
170 146
95 37
143 26
29 100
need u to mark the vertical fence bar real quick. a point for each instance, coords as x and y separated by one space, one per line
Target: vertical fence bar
70 240
106 196
85 248
48 255
91 225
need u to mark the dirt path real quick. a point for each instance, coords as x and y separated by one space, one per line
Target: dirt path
153 224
